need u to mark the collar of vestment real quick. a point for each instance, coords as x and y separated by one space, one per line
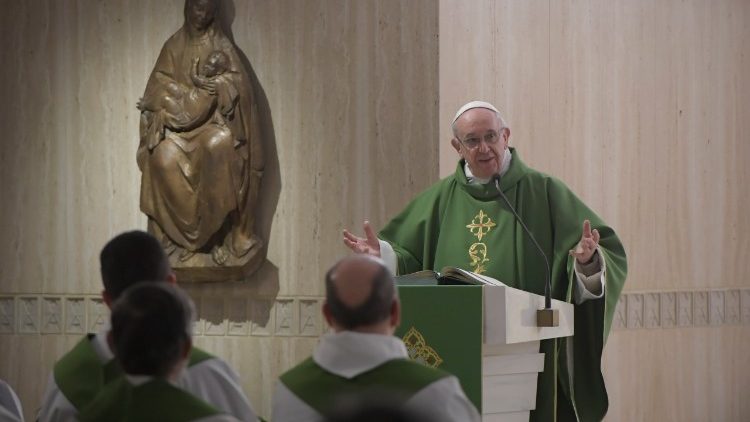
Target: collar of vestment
349 353
101 345
516 171
136 380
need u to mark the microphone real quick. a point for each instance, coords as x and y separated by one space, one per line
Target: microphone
546 317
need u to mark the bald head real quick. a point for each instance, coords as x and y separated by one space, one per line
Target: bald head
360 293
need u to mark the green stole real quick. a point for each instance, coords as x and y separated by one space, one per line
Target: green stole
81 374
156 400
454 223
399 378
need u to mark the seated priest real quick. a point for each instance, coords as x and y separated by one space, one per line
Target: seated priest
151 337
78 376
462 221
362 357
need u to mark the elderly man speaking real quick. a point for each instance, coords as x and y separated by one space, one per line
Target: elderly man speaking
461 221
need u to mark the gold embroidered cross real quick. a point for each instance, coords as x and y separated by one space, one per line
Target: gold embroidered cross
479 223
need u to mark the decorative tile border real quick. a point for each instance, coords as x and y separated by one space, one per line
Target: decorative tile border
97 313
261 317
697 308
7 315
28 314
301 316
217 315
684 309
285 317
309 317
52 322
75 315
668 309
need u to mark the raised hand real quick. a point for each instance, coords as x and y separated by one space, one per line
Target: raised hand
367 245
586 247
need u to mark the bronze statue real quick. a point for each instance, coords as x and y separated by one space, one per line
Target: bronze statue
200 152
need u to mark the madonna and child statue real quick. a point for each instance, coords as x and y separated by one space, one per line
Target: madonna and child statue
200 152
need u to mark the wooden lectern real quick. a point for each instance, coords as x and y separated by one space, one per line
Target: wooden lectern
488 336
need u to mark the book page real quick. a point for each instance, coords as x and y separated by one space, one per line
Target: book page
419 278
469 277
489 280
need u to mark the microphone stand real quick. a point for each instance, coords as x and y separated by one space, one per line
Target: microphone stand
546 317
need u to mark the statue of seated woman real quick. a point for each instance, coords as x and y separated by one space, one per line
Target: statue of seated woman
200 151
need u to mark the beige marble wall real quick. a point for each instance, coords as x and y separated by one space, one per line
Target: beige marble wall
643 109
352 95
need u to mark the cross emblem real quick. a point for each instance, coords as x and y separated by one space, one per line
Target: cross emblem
480 225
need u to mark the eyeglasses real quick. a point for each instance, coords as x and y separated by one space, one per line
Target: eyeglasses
490 138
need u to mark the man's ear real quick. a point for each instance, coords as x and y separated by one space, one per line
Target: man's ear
395 313
457 145
171 278
327 314
110 341
506 136
186 347
107 298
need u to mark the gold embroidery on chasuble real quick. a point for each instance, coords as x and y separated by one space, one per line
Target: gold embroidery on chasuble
480 225
478 256
419 350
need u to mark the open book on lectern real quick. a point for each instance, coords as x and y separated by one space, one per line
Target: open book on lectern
446 276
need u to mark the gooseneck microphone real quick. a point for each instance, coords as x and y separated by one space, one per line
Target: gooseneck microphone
548 281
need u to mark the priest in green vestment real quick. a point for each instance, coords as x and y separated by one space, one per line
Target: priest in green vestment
151 337
461 221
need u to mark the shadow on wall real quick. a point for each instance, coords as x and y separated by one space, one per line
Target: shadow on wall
236 302
250 299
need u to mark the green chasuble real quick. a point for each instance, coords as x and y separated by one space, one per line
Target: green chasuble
320 389
156 400
80 374
457 224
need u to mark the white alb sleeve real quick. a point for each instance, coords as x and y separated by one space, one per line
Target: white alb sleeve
388 255
591 286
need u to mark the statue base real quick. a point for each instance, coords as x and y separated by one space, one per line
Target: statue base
202 267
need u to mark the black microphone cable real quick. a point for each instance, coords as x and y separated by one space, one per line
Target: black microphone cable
548 284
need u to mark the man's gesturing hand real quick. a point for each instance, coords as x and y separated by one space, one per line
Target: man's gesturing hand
586 247
368 245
